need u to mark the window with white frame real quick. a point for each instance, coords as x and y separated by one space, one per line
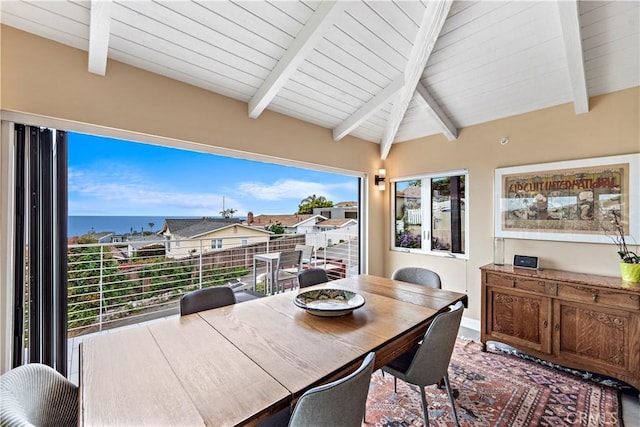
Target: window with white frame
430 213
216 243
244 242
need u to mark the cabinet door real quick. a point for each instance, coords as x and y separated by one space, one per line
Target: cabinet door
518 319
593 337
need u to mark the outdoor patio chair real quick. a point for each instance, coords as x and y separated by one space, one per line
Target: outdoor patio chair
418 275
428 362
289 264
312 276
307 253
37 395
206 299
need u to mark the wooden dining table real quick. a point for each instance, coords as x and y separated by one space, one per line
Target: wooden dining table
238 364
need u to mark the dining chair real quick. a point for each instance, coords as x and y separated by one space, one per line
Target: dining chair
37 395
206 299
312 276
338 403
418 275
287 269
428 362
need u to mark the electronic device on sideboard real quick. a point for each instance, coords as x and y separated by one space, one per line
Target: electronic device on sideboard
524 261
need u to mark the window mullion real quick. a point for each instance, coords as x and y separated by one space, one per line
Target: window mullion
456 219
427 220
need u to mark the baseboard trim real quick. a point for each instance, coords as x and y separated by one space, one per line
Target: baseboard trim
470 324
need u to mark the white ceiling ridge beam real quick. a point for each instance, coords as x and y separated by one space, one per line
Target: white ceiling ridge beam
570 23
364 112
287 65
99 32
432 21
436 114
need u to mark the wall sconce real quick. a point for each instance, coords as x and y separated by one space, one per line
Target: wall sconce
379 179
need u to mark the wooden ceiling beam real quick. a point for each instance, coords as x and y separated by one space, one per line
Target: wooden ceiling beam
570 22
306 40
431 24
99 32
364 112
435 113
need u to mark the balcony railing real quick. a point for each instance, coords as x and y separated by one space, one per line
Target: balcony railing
116 284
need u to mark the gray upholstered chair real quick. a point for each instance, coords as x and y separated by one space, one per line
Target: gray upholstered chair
288 268
37 395
338 403
206 299
418 275
428 362
312 276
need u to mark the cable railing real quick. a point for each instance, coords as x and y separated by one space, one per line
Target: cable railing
116 284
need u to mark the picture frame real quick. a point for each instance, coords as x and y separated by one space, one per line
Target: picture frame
568 200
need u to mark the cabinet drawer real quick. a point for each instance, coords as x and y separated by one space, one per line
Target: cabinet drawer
500 280
539 286
601 296
522 283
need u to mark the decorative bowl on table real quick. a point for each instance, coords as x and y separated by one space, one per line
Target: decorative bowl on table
329 302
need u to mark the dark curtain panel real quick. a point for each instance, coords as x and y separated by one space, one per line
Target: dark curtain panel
41 246
19 247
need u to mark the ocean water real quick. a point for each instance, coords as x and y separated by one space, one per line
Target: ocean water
79 225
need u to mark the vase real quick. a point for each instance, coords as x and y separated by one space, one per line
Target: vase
630 272
498 251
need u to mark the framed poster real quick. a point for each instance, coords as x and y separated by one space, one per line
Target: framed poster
568 201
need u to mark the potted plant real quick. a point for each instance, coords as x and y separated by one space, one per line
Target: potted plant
629 260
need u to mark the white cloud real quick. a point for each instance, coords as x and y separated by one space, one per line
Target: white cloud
290 189
122 193
117 189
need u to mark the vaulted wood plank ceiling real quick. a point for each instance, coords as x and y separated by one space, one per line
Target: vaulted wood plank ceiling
384 71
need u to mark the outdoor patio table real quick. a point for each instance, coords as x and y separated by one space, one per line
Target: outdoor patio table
238 364
271 259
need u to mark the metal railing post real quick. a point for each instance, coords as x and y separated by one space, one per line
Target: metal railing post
200 265
100 287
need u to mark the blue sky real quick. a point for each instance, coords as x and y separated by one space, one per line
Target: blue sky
115 177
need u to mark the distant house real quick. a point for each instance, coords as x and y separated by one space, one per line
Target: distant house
334 224
332 231
339 211
144 245
412 215
184 237
293 224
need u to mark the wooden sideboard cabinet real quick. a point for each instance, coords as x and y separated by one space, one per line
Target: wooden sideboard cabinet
581 321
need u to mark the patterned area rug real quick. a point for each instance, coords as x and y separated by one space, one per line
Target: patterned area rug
496 389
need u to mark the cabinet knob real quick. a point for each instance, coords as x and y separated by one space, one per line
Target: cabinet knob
557 326
545 323
594 296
